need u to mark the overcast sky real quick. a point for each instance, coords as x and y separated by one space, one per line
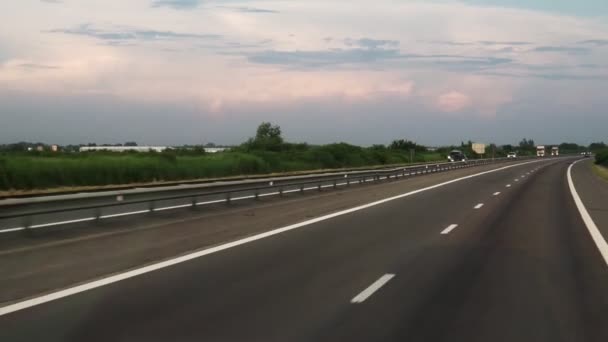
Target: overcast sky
169 72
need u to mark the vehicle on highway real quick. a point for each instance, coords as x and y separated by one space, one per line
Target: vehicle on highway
586 154
456 156
540 151
512 155
554 151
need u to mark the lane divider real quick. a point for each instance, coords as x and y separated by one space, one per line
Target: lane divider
198 254
478 206
497 193
597 237
449 229
361 297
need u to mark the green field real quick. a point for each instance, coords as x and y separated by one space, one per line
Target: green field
27 171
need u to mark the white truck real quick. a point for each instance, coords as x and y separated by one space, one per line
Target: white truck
540 151
554 151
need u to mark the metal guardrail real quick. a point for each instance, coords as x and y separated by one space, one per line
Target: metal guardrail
22 214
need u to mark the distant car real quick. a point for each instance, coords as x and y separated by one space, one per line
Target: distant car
457 156
512 155
586 154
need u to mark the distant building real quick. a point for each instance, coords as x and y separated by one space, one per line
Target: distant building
54 148
123 148
215 149
39 148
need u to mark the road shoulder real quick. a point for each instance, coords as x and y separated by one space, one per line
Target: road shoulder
593 192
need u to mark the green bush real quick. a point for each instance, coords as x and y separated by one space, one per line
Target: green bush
601 157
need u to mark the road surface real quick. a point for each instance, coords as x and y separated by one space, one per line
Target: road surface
491 256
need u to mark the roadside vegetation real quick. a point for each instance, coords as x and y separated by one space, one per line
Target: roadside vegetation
601 157
266 152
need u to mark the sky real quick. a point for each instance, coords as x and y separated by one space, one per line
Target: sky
170 72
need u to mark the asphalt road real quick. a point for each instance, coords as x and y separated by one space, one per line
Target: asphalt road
504 256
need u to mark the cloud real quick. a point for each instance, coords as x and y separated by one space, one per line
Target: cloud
463 63
250 10
453 101
118 35
370 56
597 42
482 42
369 43
37 66
52 1
323 58
546 76
177 4
492 42
567 49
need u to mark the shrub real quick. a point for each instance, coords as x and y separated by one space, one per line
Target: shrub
601 157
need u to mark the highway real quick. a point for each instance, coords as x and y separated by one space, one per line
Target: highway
495 253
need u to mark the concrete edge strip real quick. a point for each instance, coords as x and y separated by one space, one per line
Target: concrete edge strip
596 235
194 255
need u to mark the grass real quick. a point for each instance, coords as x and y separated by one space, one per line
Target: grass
23 172
601 171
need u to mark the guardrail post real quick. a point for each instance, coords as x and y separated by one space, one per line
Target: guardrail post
257 195
335 184
27 222
319 187
228 198
194 202
151 206
97 214
301 189
347 182
281 192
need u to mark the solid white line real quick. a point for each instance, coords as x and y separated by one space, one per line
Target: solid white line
285 192
478 206
449 229
269 194
173 207
62 222
597 237
497 193
125 214
311 188
211 202
248 197
361 297
160 265
11 230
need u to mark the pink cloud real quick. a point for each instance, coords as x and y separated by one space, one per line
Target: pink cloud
453 101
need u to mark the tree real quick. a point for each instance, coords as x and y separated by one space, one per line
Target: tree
596 146
570 147
268 137
527 145
406 145
130 143
507 148
266 131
